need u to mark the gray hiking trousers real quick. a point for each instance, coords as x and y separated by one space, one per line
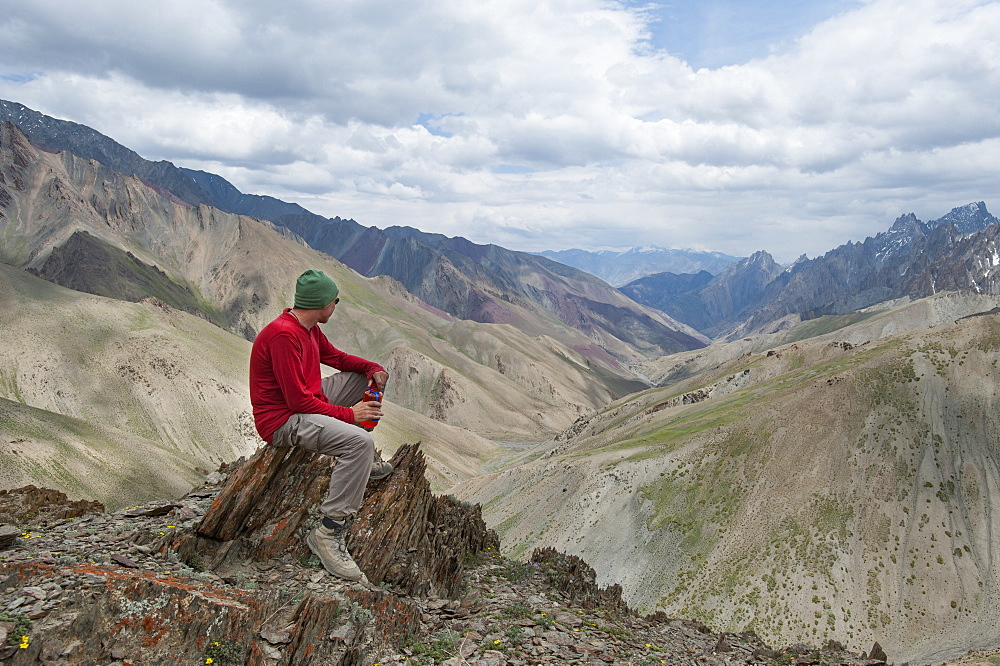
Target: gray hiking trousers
351 445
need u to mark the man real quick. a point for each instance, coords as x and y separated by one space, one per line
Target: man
294 406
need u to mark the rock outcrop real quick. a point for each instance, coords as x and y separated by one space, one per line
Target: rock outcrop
577 580
232 580
403 535
42 504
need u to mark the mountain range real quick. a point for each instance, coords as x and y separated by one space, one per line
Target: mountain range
493 285
823 470
620 268
487 284
913 259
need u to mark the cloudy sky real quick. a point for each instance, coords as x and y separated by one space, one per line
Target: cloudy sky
790 126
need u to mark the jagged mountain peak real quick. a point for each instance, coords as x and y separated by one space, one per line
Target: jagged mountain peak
703 301
967 219
911 259
760 257
907 224
759 261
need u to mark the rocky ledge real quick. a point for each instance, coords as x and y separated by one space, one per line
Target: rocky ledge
221 576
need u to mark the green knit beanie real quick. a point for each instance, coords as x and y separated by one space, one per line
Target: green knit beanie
314 290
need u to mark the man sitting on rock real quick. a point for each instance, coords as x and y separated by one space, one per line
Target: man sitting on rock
293 405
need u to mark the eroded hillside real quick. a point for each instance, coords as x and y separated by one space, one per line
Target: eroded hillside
492 379
823 489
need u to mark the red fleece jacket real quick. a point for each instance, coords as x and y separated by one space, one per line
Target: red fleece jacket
285 376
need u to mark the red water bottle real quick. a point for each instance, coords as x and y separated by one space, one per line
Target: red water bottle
371 395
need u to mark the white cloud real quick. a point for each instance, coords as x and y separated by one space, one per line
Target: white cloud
883 109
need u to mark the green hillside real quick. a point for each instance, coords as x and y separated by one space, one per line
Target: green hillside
819 490
87 460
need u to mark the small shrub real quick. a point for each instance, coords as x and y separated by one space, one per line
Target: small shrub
515 636
441 648
22 626
516 610
515 571
195 562
224 653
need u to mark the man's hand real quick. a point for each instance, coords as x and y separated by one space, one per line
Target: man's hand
367 411
378 380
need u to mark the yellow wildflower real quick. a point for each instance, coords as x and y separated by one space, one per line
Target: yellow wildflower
209 660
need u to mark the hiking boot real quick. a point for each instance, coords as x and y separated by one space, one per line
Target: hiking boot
327 542
380 469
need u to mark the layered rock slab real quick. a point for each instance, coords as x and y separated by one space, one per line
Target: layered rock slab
403 535
142 617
